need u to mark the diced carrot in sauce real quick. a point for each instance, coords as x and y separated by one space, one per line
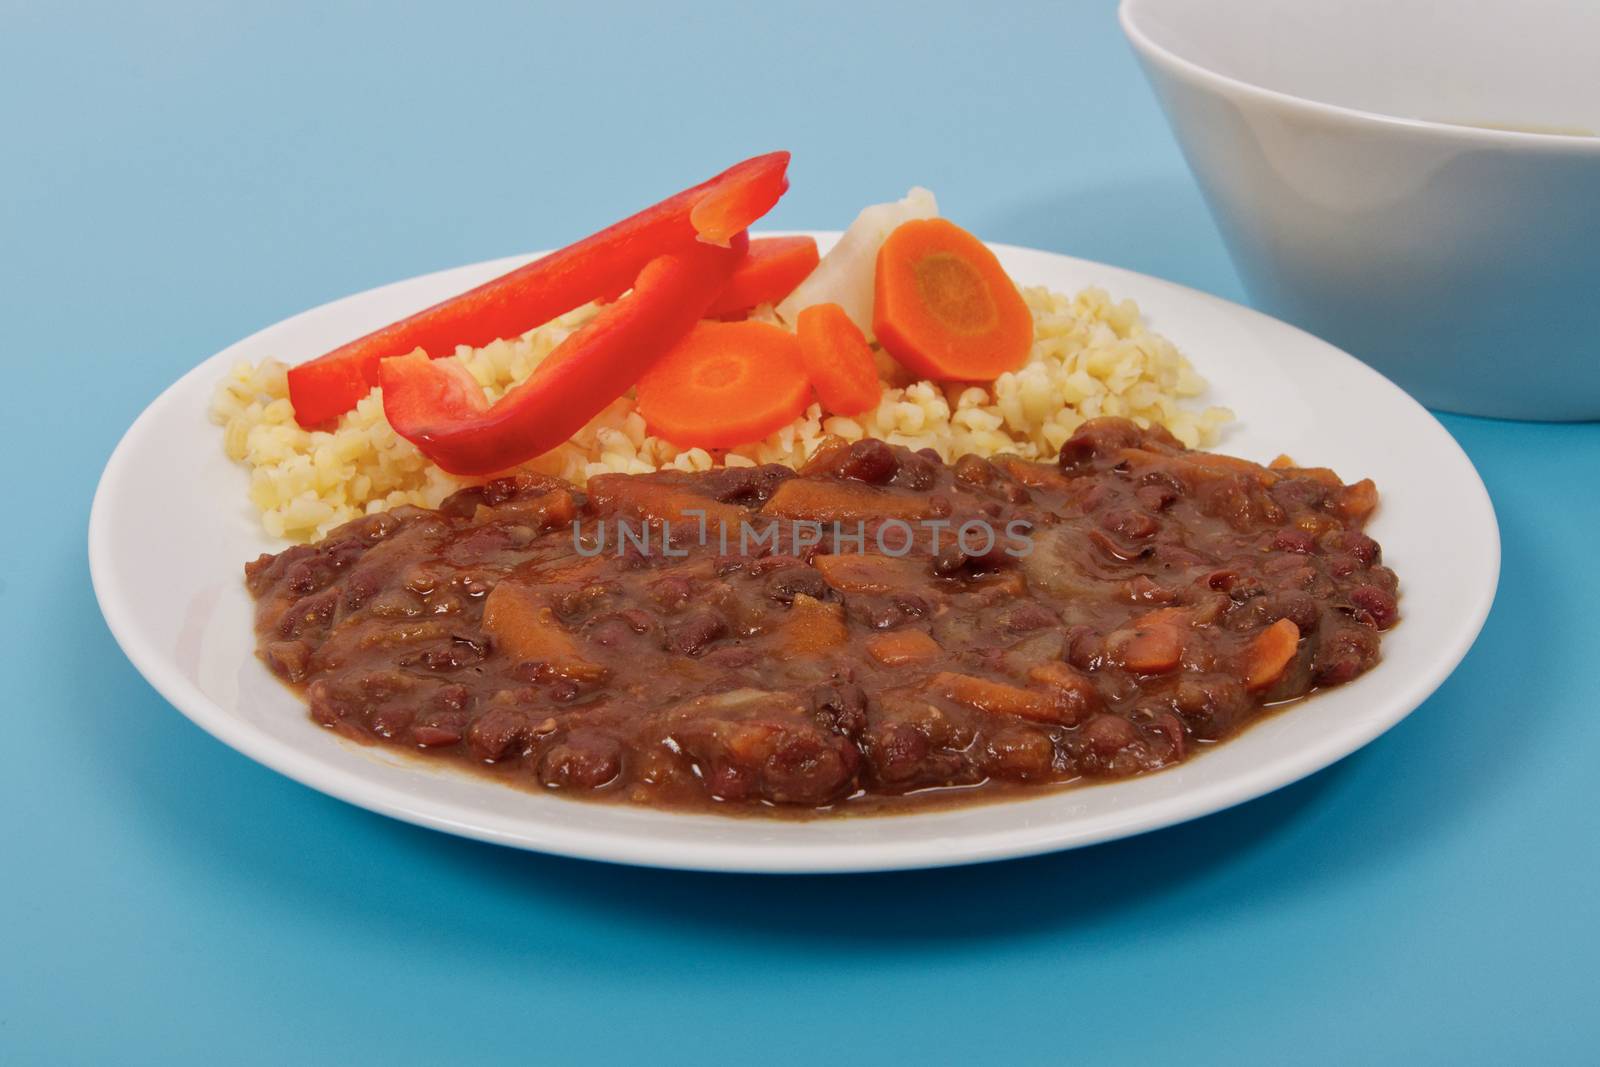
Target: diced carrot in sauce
1032 475
749 741
1142 456
1357 500
826 456
998 698
1270 654
556 508
843 502
855 572
1201 465
1328 477
1152 644
903 648
1320 474
1079 697
1060 675
547 511
1216 462
528 631
655 503
813 626
403 634
1221 462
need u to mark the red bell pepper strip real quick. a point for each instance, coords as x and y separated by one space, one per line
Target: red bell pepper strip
769 273
729 207
440 408
531 295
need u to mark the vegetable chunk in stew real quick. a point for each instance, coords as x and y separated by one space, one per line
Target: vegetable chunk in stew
874 633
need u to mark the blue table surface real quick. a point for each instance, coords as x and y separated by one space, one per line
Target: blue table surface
173 179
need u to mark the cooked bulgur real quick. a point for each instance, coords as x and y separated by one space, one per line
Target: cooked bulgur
1091 356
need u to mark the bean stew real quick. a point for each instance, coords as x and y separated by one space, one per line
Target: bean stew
874 633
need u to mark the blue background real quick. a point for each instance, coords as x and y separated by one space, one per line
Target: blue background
173 179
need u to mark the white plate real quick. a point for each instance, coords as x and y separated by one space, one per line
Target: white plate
170 531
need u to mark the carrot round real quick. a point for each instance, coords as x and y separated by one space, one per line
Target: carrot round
838 359
725 384
769 272
945 308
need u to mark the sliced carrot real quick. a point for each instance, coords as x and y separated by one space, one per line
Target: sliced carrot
836 355
656 503
945 308
1216 461
1356 501
846 502
527 630
814 626
1321 475
547 511
855 572
1270 653
1031 474
998 698
769 272
725 384
1078 695
1152 644
1150 650
827 456
901 648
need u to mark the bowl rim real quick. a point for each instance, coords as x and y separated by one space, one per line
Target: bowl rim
1525 140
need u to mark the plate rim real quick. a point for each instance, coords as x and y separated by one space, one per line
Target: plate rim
773 856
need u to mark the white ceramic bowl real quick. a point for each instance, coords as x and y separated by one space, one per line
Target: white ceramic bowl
1336 145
